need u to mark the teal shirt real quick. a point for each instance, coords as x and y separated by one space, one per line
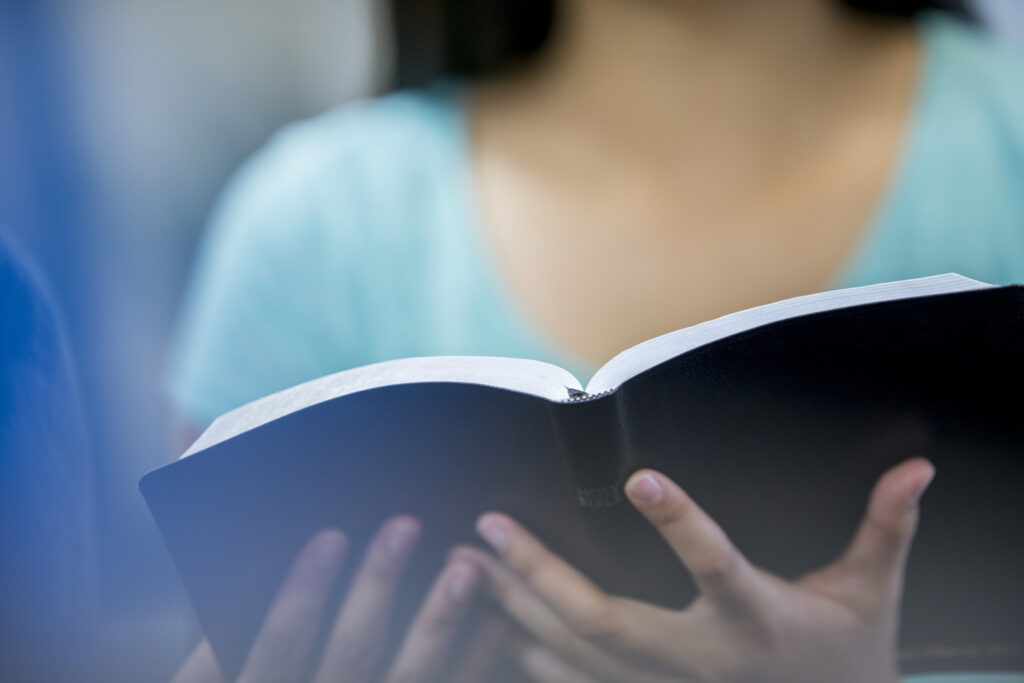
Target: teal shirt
353 238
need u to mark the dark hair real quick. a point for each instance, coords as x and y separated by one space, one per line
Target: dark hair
473 38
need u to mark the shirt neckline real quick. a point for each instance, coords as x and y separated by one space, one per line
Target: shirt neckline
481 250
853 272
880 223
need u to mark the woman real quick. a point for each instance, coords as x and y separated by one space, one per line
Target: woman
603 154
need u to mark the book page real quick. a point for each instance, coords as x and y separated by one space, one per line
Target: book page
646 355
515 374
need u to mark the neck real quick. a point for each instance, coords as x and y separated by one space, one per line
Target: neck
652 65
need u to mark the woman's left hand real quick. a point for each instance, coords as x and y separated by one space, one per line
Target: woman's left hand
838 624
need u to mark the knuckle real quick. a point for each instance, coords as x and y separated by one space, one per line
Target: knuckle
597 623
718 566
890 541
437 621
763 635
895 532
880 526
564 641
670 514
505 592
301 586
529 564
672 510
382 571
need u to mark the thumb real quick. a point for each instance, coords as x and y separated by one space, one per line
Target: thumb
878 553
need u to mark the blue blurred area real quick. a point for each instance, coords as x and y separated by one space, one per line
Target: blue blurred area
42 181
1006 17
47 520
119 122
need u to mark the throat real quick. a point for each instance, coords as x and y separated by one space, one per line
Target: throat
680 67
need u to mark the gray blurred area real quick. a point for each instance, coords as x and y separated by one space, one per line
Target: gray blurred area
1005 17
120 120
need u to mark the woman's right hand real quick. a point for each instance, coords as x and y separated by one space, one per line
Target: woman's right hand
837 624
281 652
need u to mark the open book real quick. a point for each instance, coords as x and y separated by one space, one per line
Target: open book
777 420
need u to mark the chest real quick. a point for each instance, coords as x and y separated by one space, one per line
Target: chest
599 269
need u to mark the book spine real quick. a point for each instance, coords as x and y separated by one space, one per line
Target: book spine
593 438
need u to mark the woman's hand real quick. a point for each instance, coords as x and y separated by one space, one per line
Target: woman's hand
282 650
839 624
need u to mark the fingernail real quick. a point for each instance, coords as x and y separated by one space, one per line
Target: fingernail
494 532
916 498
328 550
645 489
401 537
461 581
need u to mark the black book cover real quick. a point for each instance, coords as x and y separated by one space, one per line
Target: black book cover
778 432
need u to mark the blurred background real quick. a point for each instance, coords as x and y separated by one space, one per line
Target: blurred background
119 122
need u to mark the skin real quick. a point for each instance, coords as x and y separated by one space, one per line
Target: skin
666 162
723 155
838 624
282 650
670 161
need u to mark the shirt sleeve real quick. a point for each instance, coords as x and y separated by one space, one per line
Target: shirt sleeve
271 302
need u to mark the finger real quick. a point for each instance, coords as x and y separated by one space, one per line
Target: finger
486 647
879 549
200 667
539 620
720 570
543 665
584 607
283 645
358 635
422 654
